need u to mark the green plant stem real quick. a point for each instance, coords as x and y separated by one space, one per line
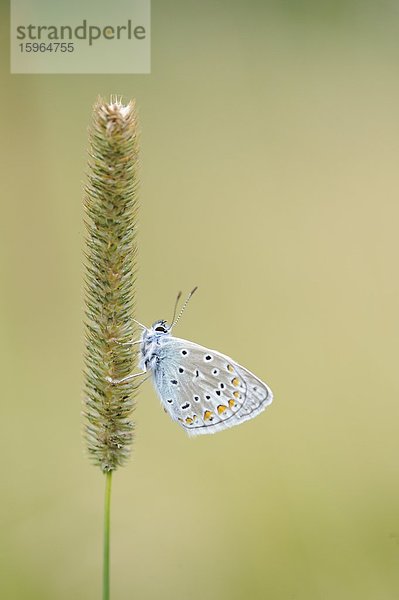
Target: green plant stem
107 515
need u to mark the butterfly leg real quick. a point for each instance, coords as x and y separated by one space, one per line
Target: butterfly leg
127 343
124 379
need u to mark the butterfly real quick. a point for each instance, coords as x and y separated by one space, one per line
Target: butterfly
203 390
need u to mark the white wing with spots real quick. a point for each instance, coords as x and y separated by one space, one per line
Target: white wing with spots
204 390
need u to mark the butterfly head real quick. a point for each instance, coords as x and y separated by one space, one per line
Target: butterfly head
153 334
160 328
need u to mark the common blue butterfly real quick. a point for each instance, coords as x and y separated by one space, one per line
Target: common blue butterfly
201 389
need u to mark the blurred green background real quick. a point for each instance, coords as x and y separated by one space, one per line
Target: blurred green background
269 179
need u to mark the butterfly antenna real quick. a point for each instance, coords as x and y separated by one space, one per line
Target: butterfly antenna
184 306
175 308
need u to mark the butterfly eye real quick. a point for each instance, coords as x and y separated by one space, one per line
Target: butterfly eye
161 329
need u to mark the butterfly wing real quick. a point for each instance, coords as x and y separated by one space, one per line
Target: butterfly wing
204 390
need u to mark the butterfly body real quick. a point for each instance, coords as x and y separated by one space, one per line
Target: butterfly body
201 389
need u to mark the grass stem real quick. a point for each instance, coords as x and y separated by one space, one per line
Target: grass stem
107 523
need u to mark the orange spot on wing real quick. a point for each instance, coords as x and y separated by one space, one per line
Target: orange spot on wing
236 394
232 403
230 368
221 409
189 420
235 381
208 415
